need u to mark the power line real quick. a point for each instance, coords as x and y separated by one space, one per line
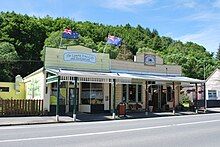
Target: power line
21 61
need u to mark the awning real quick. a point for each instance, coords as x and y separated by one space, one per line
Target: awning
165 78
70 74
61 72
83 76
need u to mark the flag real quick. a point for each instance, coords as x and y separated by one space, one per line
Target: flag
114 40
69 34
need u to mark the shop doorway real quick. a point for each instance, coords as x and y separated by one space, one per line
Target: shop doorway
72 97
157 98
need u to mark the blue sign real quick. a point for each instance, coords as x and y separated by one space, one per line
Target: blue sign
70 56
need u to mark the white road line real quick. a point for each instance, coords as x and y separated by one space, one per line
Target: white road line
101 122
107 132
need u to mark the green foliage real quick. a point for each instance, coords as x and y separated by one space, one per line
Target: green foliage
124 54
145 50
185 101
218 53
26 37
7 52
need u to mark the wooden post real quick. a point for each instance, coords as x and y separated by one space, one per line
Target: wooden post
75 99
42 107
58 98
196 98
25 107
1 106
173 95
146 99
114 92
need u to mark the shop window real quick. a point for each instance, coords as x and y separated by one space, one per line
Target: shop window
132 93
212 94
169 93
139 93
124 92
85 95
4 89
92 93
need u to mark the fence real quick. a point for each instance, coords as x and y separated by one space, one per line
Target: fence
10 107
210 103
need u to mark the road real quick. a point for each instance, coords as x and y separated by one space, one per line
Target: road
178 131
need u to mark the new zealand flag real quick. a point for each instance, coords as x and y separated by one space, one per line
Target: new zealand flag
114 40
69 34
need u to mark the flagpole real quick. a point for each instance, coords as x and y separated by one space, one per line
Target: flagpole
61 41
103 52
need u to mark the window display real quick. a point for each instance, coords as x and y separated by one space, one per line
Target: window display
92 93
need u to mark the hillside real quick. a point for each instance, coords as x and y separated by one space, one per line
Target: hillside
23 37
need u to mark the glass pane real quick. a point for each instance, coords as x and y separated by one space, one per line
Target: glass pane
124 92
132 93
139 93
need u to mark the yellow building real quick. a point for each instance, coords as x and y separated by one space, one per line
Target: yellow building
101 83
9 90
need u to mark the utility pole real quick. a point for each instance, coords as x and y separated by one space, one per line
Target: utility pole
204 66
218 53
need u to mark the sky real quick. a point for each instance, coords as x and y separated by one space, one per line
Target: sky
186 20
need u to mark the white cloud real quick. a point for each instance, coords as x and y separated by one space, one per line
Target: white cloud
208 37
203 16
187 3
124 5
216 4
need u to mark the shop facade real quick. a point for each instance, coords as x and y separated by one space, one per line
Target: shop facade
85 81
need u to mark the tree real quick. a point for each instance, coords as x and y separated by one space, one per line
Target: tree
218 53
124 53
145 50
28 35
8 57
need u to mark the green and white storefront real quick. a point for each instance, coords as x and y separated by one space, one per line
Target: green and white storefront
86 81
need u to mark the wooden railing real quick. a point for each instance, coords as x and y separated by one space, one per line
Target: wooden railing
10 107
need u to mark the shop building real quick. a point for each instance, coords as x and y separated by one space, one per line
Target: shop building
10 90
86 81
213 89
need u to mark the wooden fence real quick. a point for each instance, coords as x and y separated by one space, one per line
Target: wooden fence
11 107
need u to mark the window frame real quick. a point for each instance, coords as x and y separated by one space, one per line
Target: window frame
213 94
4 89
138 91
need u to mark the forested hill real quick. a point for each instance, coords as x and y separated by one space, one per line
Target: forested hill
23 37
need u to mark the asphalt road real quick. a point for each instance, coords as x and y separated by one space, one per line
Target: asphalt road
179 131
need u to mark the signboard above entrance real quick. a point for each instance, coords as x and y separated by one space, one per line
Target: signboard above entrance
149 59
70 56
76 58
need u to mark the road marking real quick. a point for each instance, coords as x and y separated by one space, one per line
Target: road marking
107 132
101 122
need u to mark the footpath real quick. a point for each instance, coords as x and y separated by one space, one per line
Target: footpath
84 117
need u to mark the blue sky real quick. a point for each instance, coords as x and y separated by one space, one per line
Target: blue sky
186 20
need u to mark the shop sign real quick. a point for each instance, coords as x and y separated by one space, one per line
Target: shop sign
149 59
70 56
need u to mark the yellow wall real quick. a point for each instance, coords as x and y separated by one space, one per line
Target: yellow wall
63 95
54 58
12 94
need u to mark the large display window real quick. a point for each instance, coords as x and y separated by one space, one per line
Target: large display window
92 93
132 92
